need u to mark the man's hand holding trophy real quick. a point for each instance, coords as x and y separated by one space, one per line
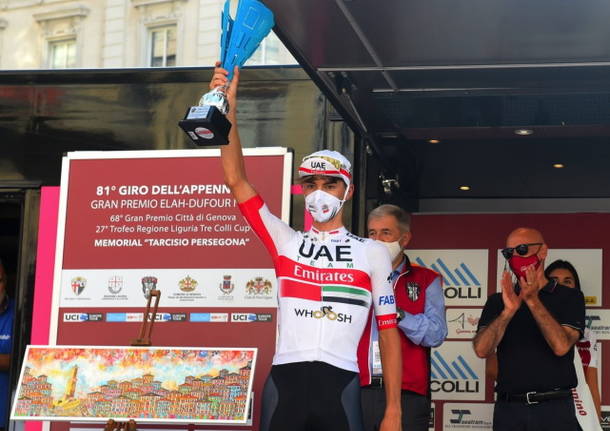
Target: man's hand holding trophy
206 124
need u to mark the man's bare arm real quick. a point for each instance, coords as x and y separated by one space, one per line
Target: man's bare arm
231 154
389 347
559 338
487 339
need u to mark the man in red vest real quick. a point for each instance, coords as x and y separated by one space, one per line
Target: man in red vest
421 316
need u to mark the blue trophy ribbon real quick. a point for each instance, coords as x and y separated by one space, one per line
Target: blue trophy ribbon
242 35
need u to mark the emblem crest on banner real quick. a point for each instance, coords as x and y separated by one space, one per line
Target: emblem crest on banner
78 284
226 287
148 283
413 291
258 286
115 284
187 284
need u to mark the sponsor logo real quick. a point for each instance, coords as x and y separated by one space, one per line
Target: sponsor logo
75 317
605 419
325 311
463 416
598 321
386 300
148 283
219 317
264 317
590 300
83 317
413 290
243 317
338 253
124 317
464 419
459 283
258 286
204 133
115 284
200 317
178 317
226 287
188 284
456 373
251 317
459 415
78 284
464 325
209 317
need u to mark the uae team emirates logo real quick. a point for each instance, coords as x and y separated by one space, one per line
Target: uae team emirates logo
187 284
148 283
258 286
78 284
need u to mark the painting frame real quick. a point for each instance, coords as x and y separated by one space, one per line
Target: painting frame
226 374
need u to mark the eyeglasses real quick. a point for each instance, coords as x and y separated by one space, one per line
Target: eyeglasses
521 250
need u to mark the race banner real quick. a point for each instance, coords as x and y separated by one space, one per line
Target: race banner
130 222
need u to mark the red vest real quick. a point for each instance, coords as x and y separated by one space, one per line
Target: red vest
410 292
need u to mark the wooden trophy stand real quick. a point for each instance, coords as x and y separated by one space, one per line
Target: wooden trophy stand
147 326
143 340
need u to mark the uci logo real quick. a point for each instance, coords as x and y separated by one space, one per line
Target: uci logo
75 317
386 300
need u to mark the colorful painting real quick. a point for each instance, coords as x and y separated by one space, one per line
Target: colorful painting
148 384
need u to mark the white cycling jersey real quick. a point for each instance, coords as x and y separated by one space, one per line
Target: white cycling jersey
327 282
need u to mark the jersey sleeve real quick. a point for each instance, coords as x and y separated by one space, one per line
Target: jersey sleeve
384 303
271 230
594 346
572 313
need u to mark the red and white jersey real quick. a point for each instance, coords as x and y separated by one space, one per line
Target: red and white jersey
587 348
327 282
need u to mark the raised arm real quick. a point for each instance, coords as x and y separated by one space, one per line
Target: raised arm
559 336
231 154
490 331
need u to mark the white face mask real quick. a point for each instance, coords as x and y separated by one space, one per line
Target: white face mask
322 205
393 248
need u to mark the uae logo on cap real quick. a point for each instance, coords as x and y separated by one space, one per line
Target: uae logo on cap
78 284
115 284
226 287
187 284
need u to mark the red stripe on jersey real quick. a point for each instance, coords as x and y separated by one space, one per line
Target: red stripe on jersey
386 321
296 289
349 277
584 349
250 209
364 352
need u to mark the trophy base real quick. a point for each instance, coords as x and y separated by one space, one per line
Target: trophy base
206 126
